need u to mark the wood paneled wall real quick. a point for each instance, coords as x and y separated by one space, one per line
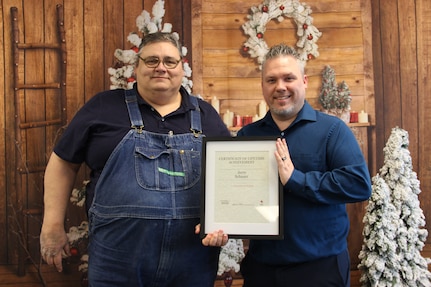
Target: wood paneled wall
402 67
221 71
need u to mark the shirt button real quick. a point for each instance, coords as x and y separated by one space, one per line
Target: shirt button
163 119
282 133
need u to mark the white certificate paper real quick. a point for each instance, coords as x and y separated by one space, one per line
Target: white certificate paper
241 189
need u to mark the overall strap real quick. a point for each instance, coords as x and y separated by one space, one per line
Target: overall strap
195 115
133 108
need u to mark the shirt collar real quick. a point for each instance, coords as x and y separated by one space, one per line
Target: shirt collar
307 113
186 105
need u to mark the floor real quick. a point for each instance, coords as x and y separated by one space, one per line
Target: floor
71 276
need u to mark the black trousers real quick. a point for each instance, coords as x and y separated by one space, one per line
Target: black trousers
331 271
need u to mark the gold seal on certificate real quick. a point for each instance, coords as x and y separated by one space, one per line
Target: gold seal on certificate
241 192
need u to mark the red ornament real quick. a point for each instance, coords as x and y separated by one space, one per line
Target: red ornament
305 26
310 56
136 49
281 7
264 8
130 80
259 35
74 251
310 37
228 279
245 48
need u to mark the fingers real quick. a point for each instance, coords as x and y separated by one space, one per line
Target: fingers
282 153
54 247
198 228
217 238
52 257
285 165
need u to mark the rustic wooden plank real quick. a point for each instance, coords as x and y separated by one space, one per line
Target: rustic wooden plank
33 140
113 33
3 162
69 278
53 70
132 9
408 73
230 63
187 28
321 20
391 67
11 255
197 60
231 39
228 6
423 12
93 47
368 100
75 40
246 88
378 84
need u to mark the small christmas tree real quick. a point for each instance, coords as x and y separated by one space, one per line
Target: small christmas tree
333 97
393 224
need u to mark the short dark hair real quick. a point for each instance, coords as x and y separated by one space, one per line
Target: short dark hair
160 37
284 50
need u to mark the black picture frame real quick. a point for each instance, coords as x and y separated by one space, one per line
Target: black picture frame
241 191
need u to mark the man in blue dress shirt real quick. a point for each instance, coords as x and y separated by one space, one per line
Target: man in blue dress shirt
321 168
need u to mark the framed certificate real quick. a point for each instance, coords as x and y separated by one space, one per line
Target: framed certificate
241 190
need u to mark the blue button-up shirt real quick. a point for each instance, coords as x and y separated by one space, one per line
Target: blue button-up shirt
330 171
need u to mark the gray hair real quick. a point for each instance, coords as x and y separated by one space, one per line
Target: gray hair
284 50
158 37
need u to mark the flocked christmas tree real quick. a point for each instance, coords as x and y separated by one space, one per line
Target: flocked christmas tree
394 233
328 90
334 98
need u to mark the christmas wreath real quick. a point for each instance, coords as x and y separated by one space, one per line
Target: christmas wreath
255 28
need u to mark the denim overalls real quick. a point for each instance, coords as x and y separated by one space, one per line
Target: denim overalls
145 208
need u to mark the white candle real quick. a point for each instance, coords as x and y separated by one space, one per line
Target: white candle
363 117
227 119
262 109
256 118
216 104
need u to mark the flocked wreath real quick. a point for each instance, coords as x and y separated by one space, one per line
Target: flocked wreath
259 17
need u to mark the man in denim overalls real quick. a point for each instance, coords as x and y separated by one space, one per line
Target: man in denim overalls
144 195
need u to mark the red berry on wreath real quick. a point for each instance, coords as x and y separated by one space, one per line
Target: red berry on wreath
310 37
264 8
136 49
74 251
259 35
130 80
281 7
305 26
245 48
310 56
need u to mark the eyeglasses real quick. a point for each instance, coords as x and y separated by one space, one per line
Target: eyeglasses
168 62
